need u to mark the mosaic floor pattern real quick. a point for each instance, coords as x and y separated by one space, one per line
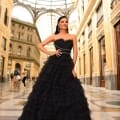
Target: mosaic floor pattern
104 104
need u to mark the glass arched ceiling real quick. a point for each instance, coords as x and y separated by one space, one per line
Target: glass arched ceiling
16 14
46 24
43 12
49 4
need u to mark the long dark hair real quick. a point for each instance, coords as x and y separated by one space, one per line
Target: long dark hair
57 27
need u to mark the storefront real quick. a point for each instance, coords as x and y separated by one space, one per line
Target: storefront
1 68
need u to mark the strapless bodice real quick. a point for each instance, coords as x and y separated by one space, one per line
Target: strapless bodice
64 45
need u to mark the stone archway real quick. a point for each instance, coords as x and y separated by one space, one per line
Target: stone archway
18 66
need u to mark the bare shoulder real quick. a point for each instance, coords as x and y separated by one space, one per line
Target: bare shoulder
73 36
54 37
50 38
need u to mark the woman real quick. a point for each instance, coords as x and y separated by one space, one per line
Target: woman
57 93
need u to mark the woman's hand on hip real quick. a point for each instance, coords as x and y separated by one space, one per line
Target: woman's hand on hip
57 53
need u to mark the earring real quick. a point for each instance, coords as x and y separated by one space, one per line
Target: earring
58 29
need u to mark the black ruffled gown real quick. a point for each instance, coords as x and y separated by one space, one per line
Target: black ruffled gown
57 94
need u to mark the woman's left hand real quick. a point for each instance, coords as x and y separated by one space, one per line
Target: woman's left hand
74 73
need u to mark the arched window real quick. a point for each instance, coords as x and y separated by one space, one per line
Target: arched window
3 45
6 17
28 52
10 48
30 38
19 50
0 10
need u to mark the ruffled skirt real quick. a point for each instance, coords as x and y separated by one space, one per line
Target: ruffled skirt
57 94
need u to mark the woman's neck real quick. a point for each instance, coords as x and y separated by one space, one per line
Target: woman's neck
63 32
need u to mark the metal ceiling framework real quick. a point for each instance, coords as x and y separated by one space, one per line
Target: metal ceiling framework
40 7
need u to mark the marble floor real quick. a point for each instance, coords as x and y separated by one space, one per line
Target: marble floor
104 104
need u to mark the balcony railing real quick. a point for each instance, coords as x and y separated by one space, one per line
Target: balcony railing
19 56
16 56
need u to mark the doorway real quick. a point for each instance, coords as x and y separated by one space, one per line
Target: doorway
91 64
102 56
117 33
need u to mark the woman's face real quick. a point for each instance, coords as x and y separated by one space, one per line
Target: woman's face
63 24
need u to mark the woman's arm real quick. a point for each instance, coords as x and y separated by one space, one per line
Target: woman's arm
75 50
75 54
45 42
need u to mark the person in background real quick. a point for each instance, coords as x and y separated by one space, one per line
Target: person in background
16 77
12 81
24 77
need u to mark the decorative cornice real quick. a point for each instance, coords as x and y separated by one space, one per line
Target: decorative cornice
114 3
115 13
